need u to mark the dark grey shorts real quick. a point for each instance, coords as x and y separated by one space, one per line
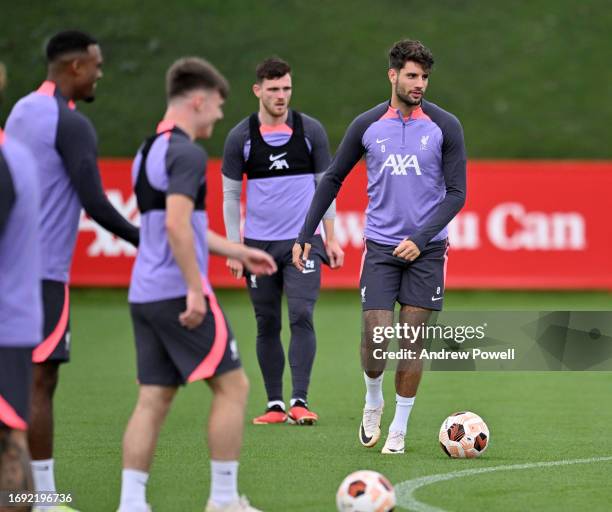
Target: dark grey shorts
387 279
288 279
15 383
169 354
56 330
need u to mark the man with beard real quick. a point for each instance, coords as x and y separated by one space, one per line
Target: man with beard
283 154
416 165
64 144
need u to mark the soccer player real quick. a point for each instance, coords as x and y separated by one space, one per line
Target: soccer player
283 154
20 307
416 166
63 142
180 331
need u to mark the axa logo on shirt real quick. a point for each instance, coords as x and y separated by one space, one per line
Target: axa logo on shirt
278 162
401 164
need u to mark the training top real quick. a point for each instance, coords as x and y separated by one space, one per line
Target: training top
416 169
20 300
283 165
64 144
167 163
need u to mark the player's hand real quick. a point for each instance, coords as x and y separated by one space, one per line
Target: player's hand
258 262
334 253
236 267
407 250
299 255
196 310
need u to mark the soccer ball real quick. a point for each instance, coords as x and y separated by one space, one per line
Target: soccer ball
464 435
365 491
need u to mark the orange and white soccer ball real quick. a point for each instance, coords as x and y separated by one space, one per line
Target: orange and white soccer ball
464 435
365 491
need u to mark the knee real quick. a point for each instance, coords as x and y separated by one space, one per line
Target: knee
268 323
300 314
156 400
234 385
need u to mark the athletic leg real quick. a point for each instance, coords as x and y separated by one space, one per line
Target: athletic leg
15 471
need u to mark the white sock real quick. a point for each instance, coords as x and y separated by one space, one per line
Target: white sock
403 407
133 490
223 481
374 395
44 478
276 402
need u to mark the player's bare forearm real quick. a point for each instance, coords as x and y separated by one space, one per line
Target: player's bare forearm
221 246
180 237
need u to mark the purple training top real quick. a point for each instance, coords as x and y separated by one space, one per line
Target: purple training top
277 202
174 165
20 296
416 174
64 144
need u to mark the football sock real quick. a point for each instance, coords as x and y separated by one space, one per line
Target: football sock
133 490
403 407
42 471
374 396
278 403
223 482
300 402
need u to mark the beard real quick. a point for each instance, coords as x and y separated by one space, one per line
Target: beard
89 99
404 97
273 113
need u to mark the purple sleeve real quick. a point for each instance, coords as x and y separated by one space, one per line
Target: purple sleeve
186 164
349 153
76 142
7 193
454 170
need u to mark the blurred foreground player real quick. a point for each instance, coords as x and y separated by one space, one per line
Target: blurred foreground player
64 144
283 154
180 331
416 165
20 308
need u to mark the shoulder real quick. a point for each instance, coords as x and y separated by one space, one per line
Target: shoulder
74 123
183 149
444 119
239 133
365 119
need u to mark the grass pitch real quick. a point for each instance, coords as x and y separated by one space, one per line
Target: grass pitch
533 417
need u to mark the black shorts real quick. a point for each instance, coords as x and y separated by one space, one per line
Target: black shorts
169 354
56 333
15 383
387 279
295 284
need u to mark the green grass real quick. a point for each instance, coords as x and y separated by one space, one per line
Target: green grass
526 78
532 416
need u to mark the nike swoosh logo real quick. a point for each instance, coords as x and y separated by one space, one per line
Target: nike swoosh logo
380 141
305 271
436 298
276 157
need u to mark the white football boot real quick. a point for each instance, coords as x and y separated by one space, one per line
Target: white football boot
240 505
369 430
394 443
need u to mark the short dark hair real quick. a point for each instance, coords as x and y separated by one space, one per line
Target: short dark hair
271 68
410 50
66 42
190 73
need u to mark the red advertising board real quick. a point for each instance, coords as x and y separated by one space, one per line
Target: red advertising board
526 224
